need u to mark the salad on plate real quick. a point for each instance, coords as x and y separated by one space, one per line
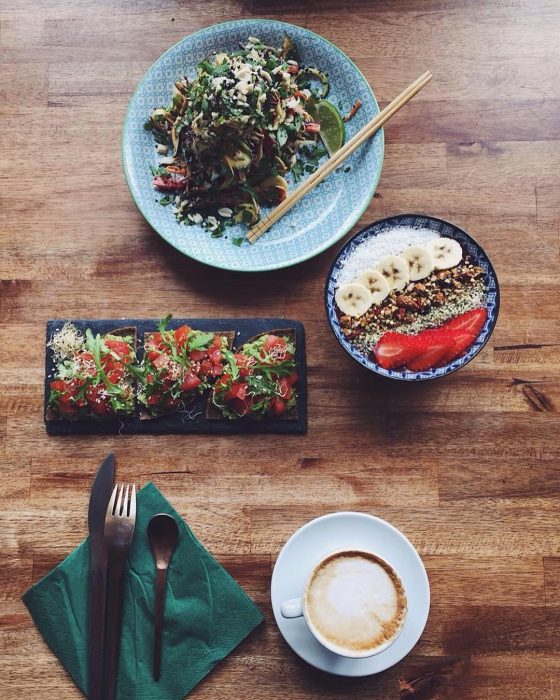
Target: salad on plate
229 137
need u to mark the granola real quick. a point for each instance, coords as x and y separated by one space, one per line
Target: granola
427 303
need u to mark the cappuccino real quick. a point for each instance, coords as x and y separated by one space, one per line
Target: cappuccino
355 601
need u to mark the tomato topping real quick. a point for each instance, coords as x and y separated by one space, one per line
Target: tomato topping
115 375
181 335
223 381
120 348
85 364
215 356
272 344
190 382
68 388
271 341
153 355
242 360
160 361
292 378
284 389
206 367
277 406
167 383
197 355
238 390
169 184
58 385
244 363
98 402
155 342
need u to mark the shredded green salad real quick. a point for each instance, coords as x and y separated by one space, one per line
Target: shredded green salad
231 135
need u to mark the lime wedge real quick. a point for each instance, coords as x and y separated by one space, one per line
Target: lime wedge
332 130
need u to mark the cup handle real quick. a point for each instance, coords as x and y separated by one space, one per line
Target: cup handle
292 608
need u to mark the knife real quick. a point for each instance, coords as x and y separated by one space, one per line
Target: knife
98 501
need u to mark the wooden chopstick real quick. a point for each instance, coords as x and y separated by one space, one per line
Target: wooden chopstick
337 158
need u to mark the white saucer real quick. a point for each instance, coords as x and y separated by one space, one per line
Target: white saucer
348 530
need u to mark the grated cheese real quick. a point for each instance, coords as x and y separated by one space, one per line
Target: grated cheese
392 241
66 342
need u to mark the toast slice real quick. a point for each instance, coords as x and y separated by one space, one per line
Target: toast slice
214 413
52 415
146 415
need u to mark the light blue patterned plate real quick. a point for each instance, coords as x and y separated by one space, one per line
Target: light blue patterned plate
444 228
315 223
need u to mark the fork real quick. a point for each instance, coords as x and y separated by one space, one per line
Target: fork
119 529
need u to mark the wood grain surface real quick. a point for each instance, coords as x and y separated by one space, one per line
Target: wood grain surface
467 467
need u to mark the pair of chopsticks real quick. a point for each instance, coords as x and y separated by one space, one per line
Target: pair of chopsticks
338 158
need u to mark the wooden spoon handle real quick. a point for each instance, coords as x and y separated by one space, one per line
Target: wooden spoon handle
161 579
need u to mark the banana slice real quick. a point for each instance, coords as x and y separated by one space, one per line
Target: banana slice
353 299
420 262
446 252
395 271
376 283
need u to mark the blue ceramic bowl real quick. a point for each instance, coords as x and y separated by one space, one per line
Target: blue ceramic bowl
443 228
323 217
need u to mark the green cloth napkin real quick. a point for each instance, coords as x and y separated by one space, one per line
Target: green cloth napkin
207 614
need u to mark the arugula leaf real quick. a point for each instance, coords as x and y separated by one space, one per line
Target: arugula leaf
237 241
200 340
166 200
93 344
162 325
136 372
233 369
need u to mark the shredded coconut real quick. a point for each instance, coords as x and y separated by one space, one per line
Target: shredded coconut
392 241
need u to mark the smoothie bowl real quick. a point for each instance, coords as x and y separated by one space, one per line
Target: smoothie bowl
412 297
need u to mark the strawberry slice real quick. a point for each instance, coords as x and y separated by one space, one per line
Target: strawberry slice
462 340
395 349
432 347
471 322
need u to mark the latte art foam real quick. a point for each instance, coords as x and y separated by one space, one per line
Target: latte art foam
356 601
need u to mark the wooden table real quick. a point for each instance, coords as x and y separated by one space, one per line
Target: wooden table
467 467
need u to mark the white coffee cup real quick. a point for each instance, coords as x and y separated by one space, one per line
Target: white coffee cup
354 603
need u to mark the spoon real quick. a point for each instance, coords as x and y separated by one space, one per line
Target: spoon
163 534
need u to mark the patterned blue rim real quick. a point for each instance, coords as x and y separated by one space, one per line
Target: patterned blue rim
444 228
342 228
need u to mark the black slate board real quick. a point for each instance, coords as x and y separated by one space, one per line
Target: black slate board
194 419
